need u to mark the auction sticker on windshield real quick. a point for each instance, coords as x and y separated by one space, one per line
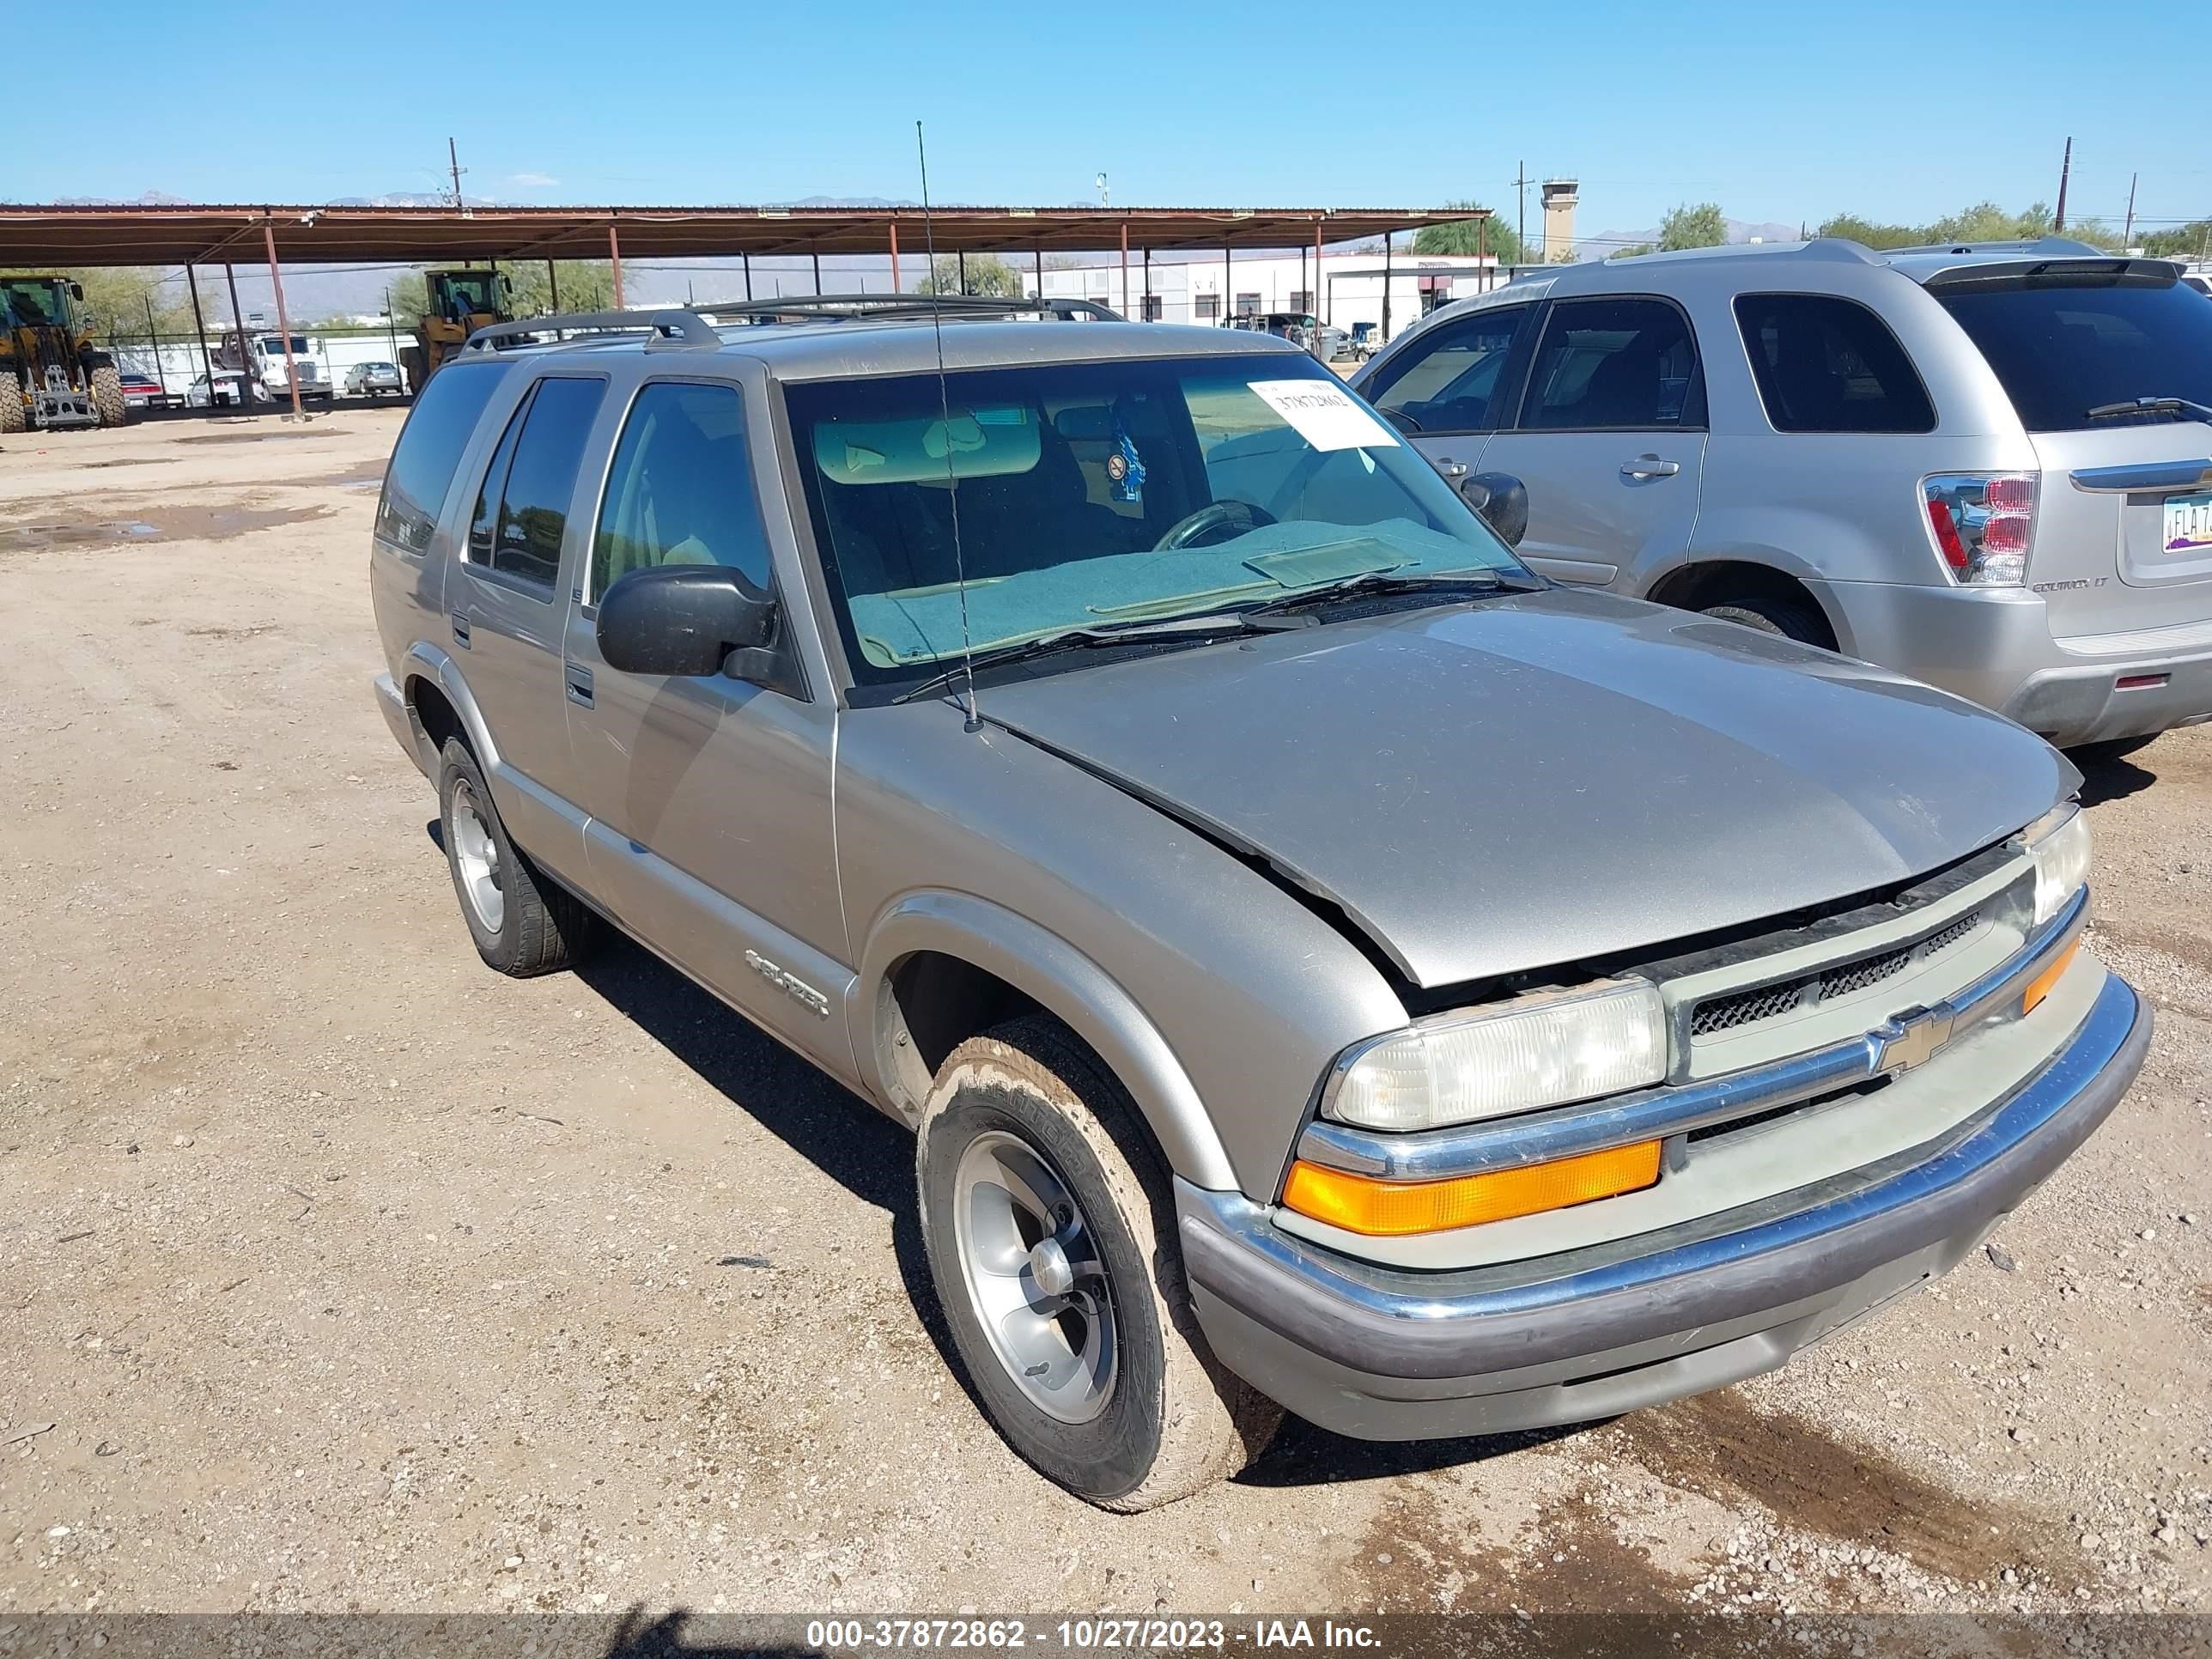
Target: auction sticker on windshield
2188 521
1327 416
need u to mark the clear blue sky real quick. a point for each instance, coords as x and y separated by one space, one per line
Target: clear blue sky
1777 111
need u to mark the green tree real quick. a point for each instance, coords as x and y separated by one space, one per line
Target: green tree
1870 233
117 298
1701 226
988 275
1467 239
2187 241
410 298
585 285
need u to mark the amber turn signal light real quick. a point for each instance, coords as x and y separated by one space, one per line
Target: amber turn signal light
2043 984
1360 1204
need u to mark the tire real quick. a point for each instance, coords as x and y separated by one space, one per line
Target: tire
1166 1419
524 924
1768 613
12 416
107 397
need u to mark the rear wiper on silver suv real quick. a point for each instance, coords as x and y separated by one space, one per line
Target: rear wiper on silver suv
1192 630
2195 411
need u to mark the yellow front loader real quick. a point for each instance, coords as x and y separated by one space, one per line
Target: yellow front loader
461 302
52 375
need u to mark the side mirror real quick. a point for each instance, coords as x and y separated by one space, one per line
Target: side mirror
1503 502
683 619
76 291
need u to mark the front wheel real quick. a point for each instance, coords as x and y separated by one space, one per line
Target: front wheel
12 417
1049 1224
107 397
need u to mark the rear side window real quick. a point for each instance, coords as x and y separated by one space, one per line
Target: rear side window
1613 364
532 477
681 488
2067 342
1449 379
429 452
1829 365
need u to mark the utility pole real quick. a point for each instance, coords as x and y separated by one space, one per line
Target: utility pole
2065 167
453 161
2128 234
1520 183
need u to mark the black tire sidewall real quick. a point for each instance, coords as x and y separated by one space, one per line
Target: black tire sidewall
1112 1453
1788 620
500 949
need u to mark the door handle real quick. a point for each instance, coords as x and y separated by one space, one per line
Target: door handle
579 686
1451 468
460 631
1649 466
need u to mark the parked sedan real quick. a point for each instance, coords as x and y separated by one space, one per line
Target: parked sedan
144 391
372 380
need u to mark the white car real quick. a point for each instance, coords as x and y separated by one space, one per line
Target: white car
230 389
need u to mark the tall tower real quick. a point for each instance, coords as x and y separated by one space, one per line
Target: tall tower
1559 199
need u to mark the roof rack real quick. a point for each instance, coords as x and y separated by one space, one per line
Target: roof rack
847 307
668 327
2056 245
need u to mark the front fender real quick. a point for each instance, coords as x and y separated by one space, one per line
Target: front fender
1061 980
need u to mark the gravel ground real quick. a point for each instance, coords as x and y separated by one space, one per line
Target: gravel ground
336 1272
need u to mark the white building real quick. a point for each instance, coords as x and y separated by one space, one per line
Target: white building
1350 291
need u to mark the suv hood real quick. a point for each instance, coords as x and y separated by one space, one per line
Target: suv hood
1546 777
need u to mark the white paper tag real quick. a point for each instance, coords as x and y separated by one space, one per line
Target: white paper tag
1324 416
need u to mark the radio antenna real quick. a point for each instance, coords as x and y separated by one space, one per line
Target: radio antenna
975 720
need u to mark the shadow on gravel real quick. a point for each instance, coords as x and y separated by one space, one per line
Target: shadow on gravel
840 1133
640 1636
2109 772
1303 1455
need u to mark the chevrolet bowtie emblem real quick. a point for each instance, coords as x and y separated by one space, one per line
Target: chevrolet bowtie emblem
1910 1038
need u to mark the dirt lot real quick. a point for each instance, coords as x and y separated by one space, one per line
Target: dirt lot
336 1271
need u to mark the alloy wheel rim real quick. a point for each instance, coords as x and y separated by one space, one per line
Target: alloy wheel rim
1035 1277
475 855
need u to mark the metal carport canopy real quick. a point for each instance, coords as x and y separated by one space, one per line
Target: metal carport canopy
47 236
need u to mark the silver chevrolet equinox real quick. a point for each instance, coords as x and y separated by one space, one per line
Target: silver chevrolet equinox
1989 467
1326 965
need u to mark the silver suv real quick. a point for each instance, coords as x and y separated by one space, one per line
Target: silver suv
1989 467
1327 966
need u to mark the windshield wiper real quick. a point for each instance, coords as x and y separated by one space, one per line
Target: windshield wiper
2195 411
1374 583
1192 630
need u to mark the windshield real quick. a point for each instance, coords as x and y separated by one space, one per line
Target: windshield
1089 494
36 303
2066 344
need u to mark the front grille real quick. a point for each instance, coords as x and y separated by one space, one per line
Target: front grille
1741 1008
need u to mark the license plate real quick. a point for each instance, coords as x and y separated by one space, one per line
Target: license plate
2188 523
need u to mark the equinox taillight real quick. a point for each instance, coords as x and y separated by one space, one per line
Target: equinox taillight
1982 523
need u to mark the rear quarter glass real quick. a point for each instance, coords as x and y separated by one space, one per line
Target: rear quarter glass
429 453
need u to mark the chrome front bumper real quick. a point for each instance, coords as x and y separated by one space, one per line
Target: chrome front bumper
1387 1353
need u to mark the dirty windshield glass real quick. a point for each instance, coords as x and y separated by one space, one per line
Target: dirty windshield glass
1089 494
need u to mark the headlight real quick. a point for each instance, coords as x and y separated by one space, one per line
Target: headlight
2058 841
1544 1049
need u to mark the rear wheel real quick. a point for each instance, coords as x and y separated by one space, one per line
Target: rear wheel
1772 613
12 417
522 923
1049 1223
107 397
